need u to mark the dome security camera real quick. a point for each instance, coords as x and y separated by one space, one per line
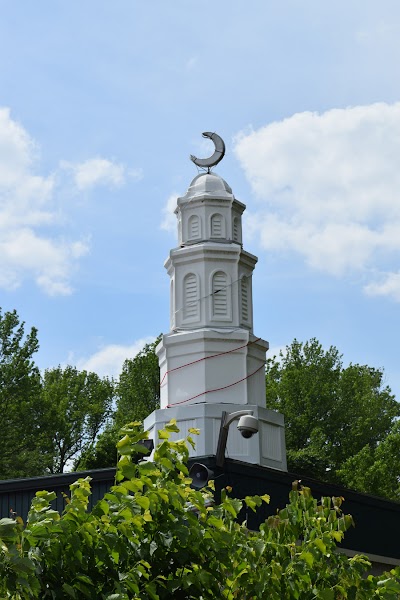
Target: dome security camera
248 426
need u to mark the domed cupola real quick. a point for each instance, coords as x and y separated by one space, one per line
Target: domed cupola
209 211
209 184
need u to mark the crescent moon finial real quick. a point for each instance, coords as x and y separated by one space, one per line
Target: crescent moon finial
214 159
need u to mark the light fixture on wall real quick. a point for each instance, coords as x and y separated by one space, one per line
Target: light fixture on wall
247 425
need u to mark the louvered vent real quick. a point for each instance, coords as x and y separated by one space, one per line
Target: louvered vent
216 226
194 227
236 229
245 298
220 295
191 303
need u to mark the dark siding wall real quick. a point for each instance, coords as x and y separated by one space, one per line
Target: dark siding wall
16 494
377 521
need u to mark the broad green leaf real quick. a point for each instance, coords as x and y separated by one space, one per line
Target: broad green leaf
125 450
172 426
7 528
128 470
143 501
134 485
69 590
308 558
327 594
338 535
48 496
320 545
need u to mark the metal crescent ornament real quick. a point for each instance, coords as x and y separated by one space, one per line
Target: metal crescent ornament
214 159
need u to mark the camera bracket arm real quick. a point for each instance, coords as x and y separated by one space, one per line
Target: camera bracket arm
226 420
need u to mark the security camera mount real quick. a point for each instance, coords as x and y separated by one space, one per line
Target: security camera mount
226 420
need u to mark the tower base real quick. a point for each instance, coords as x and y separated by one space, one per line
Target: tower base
265 448
213 366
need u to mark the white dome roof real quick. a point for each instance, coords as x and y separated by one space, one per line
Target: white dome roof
208 184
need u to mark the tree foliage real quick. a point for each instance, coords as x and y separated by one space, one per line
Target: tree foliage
376 470
23 426
331 412
66 417
154 537
78 404
138 388
137 395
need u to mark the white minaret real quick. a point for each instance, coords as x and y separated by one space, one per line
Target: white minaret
211 361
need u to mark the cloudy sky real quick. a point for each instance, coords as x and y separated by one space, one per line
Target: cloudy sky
103 102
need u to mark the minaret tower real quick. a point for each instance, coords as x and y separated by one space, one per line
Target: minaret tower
211 361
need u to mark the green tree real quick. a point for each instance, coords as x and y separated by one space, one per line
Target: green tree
103 453
138 388
23 424
153 537
137 395
376 470
78 404
331 412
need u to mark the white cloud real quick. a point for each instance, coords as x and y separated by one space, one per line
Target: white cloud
389 285
22 251
96 171
108 361
169 222
328 187
26 210
100 171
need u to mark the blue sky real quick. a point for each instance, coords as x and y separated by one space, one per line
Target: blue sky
103 102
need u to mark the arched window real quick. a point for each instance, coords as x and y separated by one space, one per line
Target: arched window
244 292
217 226
194 227
220 294
236 229
190 297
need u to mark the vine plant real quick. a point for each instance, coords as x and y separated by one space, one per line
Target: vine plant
152 536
